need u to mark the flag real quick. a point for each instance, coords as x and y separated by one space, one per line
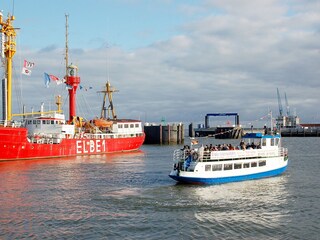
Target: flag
26 67
26 71
28 64
58 82
54 78
68 87
49 77
46 79
85 88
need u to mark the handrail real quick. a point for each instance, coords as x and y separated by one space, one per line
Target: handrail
180 154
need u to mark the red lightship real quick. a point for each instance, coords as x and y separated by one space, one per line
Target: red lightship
49 134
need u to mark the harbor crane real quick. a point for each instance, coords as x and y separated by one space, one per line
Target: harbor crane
280 104
287 105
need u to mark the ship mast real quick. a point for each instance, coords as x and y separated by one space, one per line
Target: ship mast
109 90
67 49
9 49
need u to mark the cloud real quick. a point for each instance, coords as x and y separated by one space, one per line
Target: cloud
230 58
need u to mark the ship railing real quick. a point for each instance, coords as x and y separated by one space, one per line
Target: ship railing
182 156
237 154
111 135
12 124
179 155
283 152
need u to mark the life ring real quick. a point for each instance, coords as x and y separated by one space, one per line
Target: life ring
195 156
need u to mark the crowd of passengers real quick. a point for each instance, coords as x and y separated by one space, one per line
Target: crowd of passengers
223 147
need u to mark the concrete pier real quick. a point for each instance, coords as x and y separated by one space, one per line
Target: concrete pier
300 132
164 134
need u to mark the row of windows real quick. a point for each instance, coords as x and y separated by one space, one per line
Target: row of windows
103 136
230 166
29 122
127 125
274 142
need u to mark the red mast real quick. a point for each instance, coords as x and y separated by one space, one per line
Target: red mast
72 81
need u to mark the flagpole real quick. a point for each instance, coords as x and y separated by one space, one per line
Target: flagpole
271 121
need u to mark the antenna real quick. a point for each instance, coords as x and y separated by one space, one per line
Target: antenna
67 49
12 7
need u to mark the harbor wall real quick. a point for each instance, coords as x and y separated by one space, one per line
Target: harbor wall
300 132
164 134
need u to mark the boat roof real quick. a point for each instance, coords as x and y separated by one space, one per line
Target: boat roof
260 135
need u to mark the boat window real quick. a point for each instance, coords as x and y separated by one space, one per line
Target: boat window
43 121
120 126
276 141
137 125
227 167
38 121
126 125
237 166
131 125
272 142
253 164
34 121
29 121
246 165
217 167
264 142
262 163
207 167
52 121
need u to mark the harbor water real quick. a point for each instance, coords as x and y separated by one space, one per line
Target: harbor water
130 196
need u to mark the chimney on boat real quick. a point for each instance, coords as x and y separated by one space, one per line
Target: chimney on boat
72 82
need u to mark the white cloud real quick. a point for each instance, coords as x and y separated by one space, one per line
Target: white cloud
230 60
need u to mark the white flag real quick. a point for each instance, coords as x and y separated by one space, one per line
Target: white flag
26 71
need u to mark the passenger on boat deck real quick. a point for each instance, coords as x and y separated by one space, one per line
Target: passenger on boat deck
185 147
242 145
231 147
253 145
225 147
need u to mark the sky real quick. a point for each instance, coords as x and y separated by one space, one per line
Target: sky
173 60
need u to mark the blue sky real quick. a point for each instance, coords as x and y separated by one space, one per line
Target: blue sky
125 23
177 60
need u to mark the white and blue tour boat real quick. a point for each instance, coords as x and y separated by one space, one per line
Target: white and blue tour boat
257 156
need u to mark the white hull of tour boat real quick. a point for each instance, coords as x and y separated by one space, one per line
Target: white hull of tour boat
215 167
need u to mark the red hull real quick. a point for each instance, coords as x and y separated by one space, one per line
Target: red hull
14 145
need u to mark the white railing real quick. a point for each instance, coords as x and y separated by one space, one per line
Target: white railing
11 124
181 155
248 153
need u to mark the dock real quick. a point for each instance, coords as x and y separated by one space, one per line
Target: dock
222 132
300 132
164 133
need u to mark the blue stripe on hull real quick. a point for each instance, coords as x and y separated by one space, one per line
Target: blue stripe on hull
229 179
